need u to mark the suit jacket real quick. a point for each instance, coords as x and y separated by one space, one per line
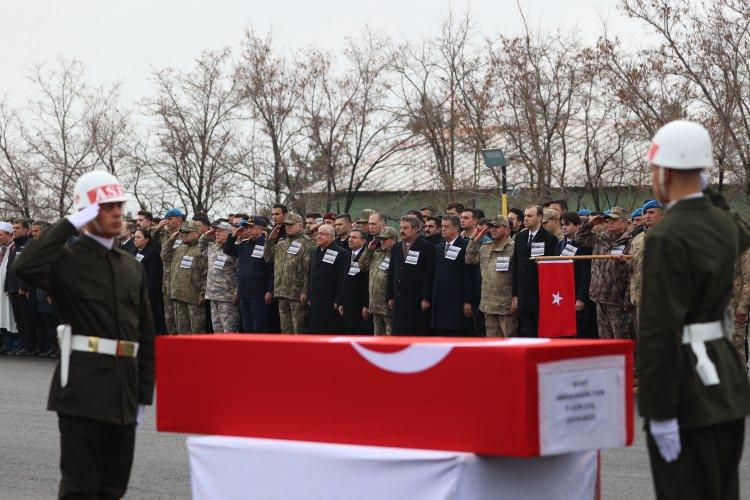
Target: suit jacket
129 246
324 289
354 296
582 274
151 262
13 282
525 272
408 285
453 285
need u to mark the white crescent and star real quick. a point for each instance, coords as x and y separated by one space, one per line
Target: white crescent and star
556 298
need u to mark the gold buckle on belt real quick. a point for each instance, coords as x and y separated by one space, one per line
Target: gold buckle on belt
126 348
93 344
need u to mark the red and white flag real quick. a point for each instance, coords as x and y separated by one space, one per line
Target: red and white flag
557 299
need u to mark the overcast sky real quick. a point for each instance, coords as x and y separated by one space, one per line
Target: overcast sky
121 40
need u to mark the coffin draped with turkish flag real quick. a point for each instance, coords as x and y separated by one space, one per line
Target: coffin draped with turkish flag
513 397
557 299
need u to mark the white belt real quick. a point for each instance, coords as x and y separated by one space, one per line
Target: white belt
69 343
697 335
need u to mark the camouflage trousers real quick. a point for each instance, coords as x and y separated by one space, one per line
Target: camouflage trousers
500 325
292 316
169 319
739 337
190 318
381 324
225 317
614 322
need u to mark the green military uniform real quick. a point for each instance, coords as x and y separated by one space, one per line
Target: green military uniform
100 293
188 269
291 260
688 267
377 262
494 264
609 279
161 236
740 301
221 286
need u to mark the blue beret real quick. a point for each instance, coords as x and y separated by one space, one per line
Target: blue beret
636 213
584 211
652 204
174 212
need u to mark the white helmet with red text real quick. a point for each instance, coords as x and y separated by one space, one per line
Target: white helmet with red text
97 186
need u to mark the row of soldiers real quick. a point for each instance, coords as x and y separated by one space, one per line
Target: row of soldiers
328 274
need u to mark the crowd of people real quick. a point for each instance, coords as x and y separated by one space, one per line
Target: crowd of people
453 274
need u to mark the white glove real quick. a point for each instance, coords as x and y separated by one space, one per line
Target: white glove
82 217
139 414
666 433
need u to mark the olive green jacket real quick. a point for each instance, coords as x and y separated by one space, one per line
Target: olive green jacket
497 286
291 262
688 268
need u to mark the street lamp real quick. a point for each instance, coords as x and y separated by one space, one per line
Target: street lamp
494 158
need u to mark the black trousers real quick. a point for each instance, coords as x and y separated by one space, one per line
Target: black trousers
708 465
95 458
477 321
528 322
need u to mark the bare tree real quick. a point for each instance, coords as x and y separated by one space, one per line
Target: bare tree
195 112
19 184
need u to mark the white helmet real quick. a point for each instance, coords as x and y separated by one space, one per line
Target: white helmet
681 145
97 186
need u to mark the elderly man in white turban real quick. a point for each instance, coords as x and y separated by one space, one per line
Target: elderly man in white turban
7 320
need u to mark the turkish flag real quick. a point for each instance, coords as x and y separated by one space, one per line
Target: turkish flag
557 299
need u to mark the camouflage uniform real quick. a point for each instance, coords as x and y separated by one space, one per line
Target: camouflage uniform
637 246
161 236
221 286
291 259
377 262
188 267
609 280
740 300
494 264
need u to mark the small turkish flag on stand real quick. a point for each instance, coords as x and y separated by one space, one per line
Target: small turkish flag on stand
557 299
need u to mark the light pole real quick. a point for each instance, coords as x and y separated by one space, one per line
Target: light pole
496 158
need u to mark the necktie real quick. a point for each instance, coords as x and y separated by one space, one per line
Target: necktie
531 237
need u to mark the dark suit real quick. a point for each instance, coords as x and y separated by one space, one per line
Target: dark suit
408 285
453 286
152 263
355 296
526 279
324 289
586 318
129 246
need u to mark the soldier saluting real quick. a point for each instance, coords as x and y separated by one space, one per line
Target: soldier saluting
106 370
694 392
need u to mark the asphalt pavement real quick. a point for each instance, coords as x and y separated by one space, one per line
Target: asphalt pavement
29 448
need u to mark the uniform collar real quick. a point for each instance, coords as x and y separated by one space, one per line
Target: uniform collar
691 196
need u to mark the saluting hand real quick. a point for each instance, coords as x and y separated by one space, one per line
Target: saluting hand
238 232
478 238
274 233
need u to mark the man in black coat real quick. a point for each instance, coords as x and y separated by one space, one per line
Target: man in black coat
355 291
410 275
454 283
329 264
585 307
533 241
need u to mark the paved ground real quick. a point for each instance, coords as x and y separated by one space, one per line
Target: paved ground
29 448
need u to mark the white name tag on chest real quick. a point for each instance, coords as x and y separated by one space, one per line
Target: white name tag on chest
383 266
186 262
537 249
177 243
257 252
139 257
219 261
412 257
617 250
330 256
354 269
452 252
502 264
294 248
569 250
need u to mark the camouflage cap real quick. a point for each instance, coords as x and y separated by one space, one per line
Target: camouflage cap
499 221
292 218
189 226
388 232
222 225
617 213
364 215
550 214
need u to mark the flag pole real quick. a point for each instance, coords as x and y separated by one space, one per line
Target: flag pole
545 258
